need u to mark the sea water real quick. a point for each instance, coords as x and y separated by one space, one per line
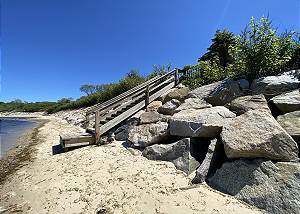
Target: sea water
10 130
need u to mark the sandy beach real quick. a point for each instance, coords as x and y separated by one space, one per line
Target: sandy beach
102 179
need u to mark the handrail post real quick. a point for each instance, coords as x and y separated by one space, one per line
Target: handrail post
97 123
147 96
87 121
176 76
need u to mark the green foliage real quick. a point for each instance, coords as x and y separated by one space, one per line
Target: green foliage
101 93
20 106
258 51
159 70
88 89
219 48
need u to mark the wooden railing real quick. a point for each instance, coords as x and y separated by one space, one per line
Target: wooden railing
128 103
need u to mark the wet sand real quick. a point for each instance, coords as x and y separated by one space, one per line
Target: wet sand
22 152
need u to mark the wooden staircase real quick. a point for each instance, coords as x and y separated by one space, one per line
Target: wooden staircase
103 117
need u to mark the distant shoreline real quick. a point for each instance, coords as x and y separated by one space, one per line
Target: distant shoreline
22 153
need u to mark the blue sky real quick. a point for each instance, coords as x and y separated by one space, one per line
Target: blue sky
51 47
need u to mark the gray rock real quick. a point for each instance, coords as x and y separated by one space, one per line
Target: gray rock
272 187
149 117
135 119
154 105
257 134
193 103
287 102
291 123
177 153
213 160
241 105
272 86
218 93
224 93
148 134
244 84
121 134
169 107
134 152
206 122
203 91
177 94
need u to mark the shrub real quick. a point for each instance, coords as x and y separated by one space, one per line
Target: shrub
258 51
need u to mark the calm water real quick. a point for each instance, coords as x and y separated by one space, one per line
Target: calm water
10 130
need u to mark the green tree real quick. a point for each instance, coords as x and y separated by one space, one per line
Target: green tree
220 48
88 89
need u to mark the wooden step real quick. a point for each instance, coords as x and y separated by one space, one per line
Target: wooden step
68 140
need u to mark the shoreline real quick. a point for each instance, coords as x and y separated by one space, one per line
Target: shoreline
102 178
22 152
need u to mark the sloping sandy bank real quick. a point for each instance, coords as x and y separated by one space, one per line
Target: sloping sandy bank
107 178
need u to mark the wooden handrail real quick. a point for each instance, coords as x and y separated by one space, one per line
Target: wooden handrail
127 93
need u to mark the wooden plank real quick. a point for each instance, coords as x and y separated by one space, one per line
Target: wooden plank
97 124
72 140
107 126
123 95
127 93
147 96
161 91
176 76
110 124
122 106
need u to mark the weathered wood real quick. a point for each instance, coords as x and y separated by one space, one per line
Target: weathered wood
116 110
72 140
147 96
107 126
125 94
97 126
176 76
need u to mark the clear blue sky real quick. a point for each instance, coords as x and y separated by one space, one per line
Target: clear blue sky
51 47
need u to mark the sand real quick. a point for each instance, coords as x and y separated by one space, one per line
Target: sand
104 179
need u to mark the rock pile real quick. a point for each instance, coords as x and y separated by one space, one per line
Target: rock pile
226 132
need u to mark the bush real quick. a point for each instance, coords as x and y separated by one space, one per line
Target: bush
258 51
101 93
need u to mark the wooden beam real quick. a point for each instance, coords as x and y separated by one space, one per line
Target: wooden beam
176 76
147 96
110 124
127 93
75 139
97 127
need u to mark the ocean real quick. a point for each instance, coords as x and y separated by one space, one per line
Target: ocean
10 130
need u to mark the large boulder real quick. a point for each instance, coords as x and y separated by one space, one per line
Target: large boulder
148 134
244 84
177 94
272 187
257 134
272 86
154 105
218 93
177 153
193 103
206 122
224 93
169 107
243 104
121 134
291 123
213 160
203 91
287 102
150 117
